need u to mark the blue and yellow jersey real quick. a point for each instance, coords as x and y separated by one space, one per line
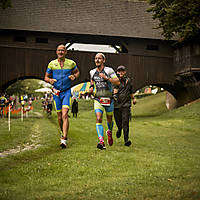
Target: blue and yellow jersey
2 101
61 74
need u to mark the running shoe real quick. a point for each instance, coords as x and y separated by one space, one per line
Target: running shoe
109 134
63 143
118 134
101 146
127 143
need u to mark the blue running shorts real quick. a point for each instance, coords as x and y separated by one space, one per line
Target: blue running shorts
63 100
99 108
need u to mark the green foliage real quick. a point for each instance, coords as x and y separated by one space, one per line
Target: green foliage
22 87
5 4
177 18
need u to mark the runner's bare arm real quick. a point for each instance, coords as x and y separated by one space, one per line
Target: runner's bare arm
48 78
75 74
134 99
114 80
91 86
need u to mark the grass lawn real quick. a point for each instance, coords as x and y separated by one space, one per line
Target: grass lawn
163 161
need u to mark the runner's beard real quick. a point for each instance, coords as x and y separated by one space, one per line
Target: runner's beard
98 65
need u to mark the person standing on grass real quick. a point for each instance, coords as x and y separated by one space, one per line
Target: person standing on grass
49 104
3 101
75 108
60 73
122 104
102 78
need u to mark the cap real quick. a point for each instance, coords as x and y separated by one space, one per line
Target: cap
121 67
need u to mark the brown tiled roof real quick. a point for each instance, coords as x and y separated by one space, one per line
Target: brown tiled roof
96 17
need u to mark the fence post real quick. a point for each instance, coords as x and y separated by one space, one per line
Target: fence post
22 113
9 117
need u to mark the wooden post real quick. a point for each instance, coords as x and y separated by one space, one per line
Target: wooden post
22 113
9 117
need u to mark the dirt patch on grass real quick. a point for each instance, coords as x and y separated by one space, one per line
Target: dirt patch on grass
19 149
33 144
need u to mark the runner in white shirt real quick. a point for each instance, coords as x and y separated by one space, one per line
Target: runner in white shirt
102 78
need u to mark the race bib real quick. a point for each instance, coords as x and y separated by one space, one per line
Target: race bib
105 101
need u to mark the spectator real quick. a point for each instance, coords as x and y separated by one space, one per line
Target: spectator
122 104
75 108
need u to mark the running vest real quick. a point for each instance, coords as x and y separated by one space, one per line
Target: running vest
103 87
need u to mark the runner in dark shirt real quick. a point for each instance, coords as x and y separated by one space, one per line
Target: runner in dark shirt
122 104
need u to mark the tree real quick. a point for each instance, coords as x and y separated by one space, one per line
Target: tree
21 87
5 3
180 18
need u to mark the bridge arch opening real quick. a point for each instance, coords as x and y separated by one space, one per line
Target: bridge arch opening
171 96
92 47
25 84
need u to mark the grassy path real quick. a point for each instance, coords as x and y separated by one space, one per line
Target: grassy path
162 163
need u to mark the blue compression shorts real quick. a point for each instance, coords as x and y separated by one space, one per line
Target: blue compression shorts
99 108
63 100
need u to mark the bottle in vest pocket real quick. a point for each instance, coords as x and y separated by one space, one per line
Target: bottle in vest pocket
105 101
55 92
